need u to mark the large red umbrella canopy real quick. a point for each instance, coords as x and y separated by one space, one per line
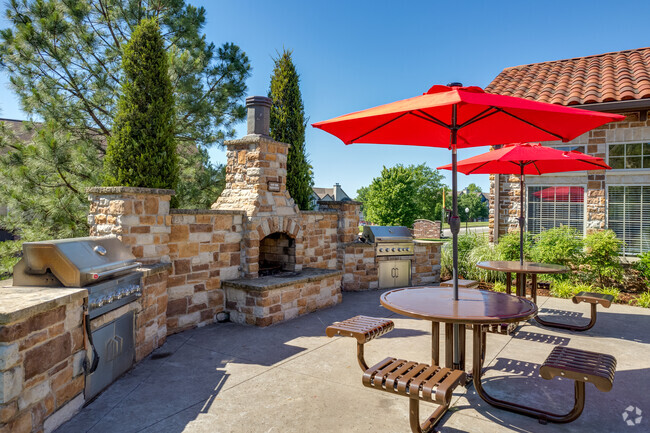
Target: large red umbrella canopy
528 158
481 119
455 116
535 159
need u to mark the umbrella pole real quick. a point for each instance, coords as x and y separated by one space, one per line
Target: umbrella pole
454 225
522 218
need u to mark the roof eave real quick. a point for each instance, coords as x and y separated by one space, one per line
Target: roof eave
616 106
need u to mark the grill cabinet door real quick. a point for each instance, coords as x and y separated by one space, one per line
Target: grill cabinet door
394 273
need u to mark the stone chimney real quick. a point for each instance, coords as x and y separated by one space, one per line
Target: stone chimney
256 175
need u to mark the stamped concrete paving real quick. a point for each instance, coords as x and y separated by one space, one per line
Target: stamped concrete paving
291 378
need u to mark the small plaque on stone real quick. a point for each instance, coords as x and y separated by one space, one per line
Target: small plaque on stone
274 186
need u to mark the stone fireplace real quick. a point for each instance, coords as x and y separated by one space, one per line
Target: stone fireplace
256 174
277 254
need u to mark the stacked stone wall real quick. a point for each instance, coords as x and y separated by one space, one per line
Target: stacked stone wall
320 239
138 216
360 266
426 229
425 268
204 249
41 365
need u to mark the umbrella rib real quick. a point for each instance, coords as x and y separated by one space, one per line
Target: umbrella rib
529 123
476 168
593 163
380 126
429 118
480 116
536 168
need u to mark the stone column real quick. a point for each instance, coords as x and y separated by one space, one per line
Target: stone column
348 210
138 216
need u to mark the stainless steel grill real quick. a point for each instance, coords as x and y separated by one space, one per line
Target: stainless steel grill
107 269
390 240
394 248
102 265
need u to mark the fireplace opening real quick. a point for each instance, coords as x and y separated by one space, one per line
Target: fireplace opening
277 255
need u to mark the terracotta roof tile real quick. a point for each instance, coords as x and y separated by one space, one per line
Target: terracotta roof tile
619 76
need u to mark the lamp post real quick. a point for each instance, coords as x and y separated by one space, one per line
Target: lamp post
466 220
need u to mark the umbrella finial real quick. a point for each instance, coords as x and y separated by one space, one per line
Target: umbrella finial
455 84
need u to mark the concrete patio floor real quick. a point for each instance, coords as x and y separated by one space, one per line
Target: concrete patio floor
291 378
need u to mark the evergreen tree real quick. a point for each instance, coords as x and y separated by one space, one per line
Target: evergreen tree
142 148
288 126
63 59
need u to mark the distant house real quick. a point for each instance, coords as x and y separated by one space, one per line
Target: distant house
618 199
483 196
335 193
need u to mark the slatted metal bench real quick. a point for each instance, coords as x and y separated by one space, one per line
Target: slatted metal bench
363 329
466 284
581 366
417 382
592 298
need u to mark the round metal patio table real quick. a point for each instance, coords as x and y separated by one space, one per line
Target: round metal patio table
473 307
522 270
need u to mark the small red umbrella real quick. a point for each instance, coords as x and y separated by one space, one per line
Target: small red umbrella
529 158
574 194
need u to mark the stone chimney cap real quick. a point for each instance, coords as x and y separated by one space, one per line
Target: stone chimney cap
259 115
258 100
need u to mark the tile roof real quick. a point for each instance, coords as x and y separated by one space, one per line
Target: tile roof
610 77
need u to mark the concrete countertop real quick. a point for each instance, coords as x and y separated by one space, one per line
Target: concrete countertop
274 282
20 302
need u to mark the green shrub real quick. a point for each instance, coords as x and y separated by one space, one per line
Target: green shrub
499 287
472 248
643 265
508 246
561 245
602 249
643 300
9 256
563 289
142 149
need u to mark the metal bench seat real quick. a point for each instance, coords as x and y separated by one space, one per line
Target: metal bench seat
581 366
417 382
363 329
592 298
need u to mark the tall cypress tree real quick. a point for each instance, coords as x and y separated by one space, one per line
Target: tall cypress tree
288 126
142 149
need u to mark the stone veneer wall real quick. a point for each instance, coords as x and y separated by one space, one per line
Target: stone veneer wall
635 128
426 229
138 216
360 267
41 363
425 267
265 303
205 249
320 239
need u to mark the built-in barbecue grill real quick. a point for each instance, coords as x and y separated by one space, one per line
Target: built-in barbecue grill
108 270
390 240
394 248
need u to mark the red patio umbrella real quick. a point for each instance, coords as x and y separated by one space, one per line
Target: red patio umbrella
455 116
529 158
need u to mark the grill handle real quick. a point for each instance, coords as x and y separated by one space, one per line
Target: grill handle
100 275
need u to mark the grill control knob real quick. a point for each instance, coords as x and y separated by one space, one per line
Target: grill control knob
393 249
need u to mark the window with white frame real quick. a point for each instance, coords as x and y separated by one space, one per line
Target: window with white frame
555 206
629 155
629 216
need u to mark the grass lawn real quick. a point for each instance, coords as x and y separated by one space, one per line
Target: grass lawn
470 224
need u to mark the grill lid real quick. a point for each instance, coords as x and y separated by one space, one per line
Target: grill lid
77 262
387 234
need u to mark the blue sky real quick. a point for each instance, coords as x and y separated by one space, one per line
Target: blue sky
353 55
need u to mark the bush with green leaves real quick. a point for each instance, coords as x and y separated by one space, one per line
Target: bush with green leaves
563 289
643 265
508 246
142 150
561 245
9 256
601 252
472 248
643 300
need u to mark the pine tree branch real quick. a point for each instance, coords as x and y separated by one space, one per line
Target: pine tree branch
105 14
